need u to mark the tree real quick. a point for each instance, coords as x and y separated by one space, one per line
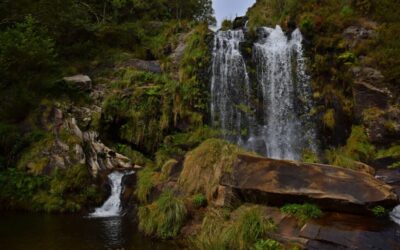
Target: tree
27 59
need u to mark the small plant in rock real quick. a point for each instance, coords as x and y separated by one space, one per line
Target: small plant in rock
268 245
199 200
379 211
303 212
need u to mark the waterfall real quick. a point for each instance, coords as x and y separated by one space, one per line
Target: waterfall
395 215
270 113
112 206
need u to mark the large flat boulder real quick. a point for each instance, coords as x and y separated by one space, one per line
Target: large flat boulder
276 182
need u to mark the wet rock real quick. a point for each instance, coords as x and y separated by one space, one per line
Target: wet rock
369 90
383 126
354 35
344 231
79 82
240 22
277 182
150 66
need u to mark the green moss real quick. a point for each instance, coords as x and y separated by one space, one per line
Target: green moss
303 212
329 119
163 218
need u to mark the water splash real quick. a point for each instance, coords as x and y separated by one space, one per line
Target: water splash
269 115
395 215
112 206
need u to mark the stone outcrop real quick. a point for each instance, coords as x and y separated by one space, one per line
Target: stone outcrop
67 145
150 66
368 90
79 82
98 156
276 182
335 231
355 34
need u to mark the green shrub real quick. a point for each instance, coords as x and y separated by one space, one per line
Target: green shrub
199 200
247 225
147 179
347 11
379 211
303 212
358 146
226 24
163 218
309 156
66 190
27 65
268 245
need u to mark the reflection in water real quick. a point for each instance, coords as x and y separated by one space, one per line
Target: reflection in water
112 231
65 232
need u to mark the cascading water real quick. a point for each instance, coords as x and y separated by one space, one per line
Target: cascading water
112 206
270 114
395 215
230 83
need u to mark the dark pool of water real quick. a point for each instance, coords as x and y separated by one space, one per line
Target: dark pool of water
73 232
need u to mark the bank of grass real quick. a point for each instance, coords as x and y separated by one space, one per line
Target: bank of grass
147 179
164 217
204 166
241 230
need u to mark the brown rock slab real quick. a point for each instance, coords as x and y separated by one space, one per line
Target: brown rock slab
277 182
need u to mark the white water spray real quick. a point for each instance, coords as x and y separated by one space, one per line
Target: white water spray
112 206
270 114
395 215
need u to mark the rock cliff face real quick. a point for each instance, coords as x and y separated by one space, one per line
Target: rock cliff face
68 143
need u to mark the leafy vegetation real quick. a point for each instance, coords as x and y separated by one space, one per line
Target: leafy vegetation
246 226
268 245
199 200
303 212
163 218
68 190
358 148
379 211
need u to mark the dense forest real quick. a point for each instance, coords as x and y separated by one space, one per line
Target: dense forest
88 87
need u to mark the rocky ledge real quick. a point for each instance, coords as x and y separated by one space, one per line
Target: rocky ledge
276 182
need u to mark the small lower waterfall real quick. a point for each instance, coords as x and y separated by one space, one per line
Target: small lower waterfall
112 206
395 215
269 114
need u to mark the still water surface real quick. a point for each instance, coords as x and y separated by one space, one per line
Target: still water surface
73 232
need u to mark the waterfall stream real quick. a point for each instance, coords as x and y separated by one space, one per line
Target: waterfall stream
270 113
112 206
395 215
